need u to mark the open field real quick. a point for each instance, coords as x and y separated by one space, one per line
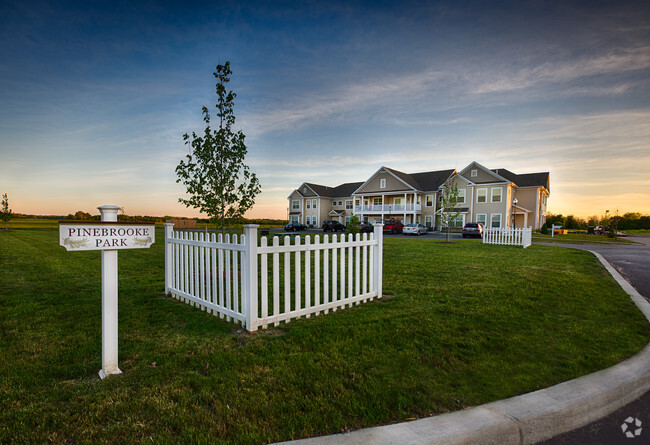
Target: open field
53 224
465 324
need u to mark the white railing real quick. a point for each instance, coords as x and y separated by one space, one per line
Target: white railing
257 285
508 236
387 208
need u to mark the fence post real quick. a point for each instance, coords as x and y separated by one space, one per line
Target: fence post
379 258
169 229
251 278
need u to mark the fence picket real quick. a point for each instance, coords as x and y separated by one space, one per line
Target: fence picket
307 275
264 306
276 277
221 275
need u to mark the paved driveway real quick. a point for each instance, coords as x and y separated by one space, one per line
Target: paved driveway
633 262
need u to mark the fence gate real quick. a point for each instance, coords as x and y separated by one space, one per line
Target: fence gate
256 283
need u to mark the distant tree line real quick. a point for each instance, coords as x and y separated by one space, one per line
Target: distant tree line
628 221
84 216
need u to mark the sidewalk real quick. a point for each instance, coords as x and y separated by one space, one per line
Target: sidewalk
528 418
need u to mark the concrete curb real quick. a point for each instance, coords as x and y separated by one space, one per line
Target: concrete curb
524 419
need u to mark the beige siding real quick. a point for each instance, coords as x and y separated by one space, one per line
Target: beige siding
392 184
482 175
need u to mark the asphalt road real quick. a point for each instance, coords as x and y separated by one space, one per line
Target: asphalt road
633 262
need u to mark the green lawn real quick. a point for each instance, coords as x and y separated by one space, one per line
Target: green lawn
465 324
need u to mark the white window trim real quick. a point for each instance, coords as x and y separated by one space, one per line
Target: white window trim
478 193
295 204
426 201
462 194
314 203
500 194
492 215
308 204
482 214
382 183
474 173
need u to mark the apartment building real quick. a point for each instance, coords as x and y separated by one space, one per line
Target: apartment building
496 198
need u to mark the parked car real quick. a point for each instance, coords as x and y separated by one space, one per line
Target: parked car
414 229
333 226
393 226
295 227
366 227
473 229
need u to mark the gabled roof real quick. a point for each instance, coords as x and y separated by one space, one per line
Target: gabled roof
340 191
422 181
431 181
497 178
525 180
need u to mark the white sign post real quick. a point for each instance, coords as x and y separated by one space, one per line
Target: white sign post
109 236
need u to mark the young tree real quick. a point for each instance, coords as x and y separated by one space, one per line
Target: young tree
5 211
353 225
448 199
214 173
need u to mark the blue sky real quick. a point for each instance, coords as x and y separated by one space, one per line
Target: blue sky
95 96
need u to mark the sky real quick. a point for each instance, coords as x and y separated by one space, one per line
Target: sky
96 96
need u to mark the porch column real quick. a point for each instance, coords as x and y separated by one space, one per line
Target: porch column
363 199
405 200
435 209
383 204
415 200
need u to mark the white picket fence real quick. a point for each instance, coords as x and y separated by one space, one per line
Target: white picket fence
508 236
257 285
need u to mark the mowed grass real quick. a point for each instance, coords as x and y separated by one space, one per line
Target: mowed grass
464 324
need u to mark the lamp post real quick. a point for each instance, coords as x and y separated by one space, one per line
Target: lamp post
514 204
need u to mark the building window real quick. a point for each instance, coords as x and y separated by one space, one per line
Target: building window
309 204
295 204
347 220
376 201
429 201
474 173
496 194
348 205
382 183
313 203
481 195
461 196
481 218
496 220
294 219
428 221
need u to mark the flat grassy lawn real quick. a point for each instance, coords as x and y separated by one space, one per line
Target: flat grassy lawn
465 324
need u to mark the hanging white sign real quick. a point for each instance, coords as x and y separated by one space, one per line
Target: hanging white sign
102 235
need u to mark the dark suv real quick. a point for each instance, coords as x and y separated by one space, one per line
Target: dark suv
473 229
295 227
333 226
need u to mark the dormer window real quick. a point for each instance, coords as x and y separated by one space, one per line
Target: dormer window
304 190
474 173
382 183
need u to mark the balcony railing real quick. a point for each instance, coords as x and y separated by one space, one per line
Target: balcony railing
388 208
